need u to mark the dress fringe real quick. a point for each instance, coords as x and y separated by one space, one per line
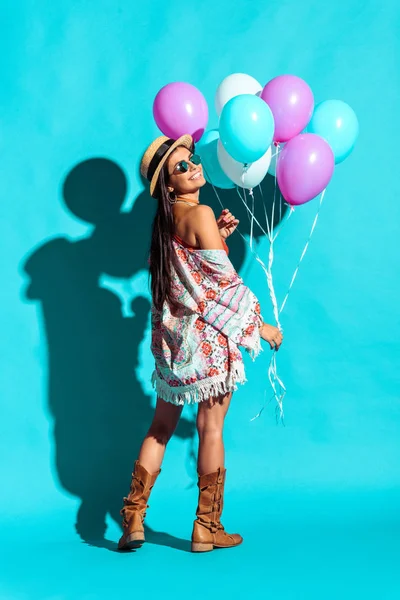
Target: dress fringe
201 390
207 388
256 349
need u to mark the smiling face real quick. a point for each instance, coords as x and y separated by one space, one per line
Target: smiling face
180 182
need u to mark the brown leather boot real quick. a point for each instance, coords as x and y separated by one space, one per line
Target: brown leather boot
208 531
135 507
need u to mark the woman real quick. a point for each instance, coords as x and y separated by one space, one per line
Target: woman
201 313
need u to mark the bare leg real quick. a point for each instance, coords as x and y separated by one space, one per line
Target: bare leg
210 423
164 423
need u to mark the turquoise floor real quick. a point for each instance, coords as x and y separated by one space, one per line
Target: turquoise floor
296 546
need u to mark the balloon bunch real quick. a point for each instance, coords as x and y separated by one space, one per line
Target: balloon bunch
273 129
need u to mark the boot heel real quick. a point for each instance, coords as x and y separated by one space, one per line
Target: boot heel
134 540
201 547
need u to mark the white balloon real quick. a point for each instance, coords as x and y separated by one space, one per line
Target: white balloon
275 151
234 85
249 177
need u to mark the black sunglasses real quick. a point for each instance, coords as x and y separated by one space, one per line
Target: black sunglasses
183 165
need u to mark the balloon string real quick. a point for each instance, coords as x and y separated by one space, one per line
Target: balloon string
272 371
242 179
267 270
304 251
252 217
279 389
277 385
282 223
248 210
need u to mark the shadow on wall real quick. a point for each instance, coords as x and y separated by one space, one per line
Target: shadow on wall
100 411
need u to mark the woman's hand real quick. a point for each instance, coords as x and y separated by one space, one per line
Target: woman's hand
272 335
226 223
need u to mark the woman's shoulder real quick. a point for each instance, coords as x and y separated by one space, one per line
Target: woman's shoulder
201 218
196 219
200 212
203 210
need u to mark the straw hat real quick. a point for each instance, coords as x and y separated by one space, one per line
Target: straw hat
157 153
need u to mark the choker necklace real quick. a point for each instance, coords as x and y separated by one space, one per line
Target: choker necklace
186 202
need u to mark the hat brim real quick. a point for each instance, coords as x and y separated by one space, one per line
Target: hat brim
184 140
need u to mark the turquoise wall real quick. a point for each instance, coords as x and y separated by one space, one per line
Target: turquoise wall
318 495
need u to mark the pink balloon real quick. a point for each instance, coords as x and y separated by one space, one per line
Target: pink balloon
180 108
292 103
305 167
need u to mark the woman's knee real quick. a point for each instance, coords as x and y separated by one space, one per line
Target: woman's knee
161 431
211 416
209 427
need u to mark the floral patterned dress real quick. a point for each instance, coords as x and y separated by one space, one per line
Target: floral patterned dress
196 346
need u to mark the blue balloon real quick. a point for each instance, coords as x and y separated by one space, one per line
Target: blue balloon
246 128
207 149
337 123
